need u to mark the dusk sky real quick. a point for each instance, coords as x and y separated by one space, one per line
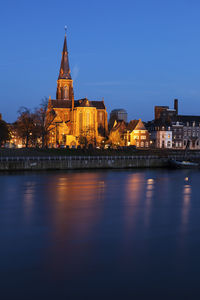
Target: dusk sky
136 54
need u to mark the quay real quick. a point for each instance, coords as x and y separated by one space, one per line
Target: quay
72 162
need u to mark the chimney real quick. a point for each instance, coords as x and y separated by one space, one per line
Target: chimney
176 105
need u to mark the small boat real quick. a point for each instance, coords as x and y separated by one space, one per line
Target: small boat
185 164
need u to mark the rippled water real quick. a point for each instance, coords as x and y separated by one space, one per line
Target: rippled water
100 235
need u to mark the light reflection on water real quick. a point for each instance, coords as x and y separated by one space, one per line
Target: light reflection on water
187 190
118 227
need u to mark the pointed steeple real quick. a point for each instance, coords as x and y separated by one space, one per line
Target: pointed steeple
65 83
64 67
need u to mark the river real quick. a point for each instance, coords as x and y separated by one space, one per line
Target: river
115 234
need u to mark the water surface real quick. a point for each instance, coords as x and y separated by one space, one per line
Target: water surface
132 234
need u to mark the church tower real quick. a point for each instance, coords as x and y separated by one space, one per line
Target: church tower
65 82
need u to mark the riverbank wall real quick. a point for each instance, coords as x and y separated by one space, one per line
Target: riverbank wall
87 162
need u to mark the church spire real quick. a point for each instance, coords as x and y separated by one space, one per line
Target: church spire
65 82
64 66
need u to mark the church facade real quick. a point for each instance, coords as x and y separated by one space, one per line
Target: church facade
75 121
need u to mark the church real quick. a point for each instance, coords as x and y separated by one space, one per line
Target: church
74 121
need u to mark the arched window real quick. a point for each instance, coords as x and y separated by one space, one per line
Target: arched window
80 121
87 118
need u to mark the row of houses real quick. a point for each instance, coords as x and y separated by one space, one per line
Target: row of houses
168 130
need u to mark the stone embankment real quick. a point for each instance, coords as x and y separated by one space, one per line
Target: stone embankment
39 163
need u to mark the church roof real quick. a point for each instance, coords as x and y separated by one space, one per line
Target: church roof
77 103
64 66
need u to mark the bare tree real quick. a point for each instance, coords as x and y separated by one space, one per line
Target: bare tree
26 126
45 118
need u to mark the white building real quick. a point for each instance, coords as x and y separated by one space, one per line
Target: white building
164 137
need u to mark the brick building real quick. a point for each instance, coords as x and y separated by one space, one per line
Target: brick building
74 118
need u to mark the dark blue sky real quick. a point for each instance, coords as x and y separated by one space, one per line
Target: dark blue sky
135 54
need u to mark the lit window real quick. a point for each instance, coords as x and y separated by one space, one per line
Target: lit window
100 116
87 118
80 121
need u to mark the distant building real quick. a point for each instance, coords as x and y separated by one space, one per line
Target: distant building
164 137
191 131
177 135
160 134
165 113
183 129
117 115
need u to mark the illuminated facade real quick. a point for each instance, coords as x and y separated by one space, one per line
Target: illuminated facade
74 118
137 134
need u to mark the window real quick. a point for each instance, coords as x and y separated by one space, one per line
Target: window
87 118
143 137
142 144
100 116
146 144
168 144
80 121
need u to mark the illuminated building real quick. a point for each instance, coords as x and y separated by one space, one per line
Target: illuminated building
74 118
137 134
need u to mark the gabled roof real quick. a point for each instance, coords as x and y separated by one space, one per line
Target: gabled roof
119 125
136 125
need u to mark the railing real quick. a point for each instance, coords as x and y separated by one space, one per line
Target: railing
92 158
